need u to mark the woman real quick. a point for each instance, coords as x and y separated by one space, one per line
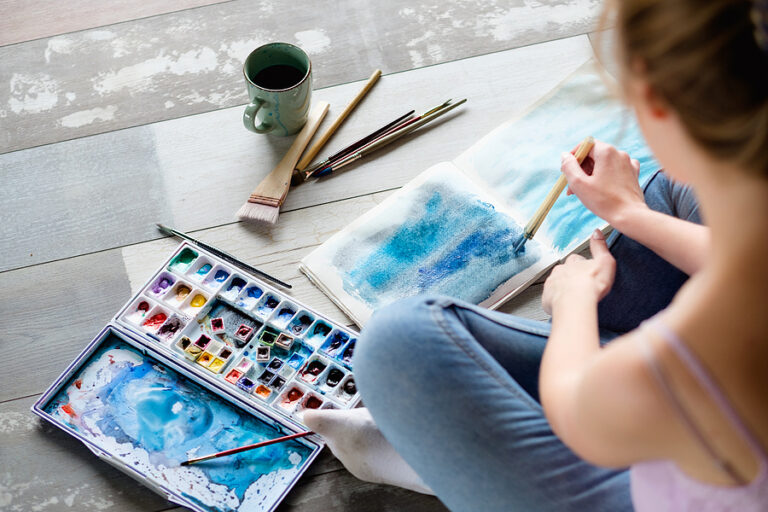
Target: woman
511 414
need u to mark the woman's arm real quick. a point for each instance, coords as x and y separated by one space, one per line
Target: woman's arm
601 402
607 184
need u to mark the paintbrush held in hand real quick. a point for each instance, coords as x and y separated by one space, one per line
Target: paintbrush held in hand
264 203
538 218
246 448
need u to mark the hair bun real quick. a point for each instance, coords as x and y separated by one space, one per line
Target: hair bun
759 15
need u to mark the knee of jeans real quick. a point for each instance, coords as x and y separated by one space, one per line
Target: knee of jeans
385 342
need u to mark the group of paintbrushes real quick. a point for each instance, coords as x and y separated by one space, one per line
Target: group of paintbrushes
264 203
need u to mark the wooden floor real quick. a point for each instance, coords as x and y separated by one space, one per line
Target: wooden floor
112 119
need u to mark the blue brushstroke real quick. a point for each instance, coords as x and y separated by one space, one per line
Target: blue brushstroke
449 237
160 412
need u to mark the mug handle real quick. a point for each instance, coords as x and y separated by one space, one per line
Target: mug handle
249 117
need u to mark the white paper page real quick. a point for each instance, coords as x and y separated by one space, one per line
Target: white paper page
437 235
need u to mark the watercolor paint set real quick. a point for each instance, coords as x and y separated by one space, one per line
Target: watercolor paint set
206 358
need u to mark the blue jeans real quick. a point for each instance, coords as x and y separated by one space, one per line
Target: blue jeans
454 387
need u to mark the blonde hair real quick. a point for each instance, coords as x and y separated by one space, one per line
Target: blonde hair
705 59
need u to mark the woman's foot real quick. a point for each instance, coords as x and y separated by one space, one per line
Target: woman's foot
356 441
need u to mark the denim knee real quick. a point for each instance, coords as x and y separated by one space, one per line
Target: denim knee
387 343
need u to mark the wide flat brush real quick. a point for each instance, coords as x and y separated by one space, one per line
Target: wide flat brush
538 218
264 203
246 448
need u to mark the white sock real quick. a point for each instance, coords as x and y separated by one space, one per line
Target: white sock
356 441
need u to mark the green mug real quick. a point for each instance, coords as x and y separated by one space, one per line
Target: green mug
279 81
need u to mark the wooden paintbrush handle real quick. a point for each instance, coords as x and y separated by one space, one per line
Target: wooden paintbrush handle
273 189
317 146
538 218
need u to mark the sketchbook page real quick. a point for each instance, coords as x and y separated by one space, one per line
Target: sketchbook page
519 161
439 234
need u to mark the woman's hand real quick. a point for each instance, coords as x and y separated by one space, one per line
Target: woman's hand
580 279
606 183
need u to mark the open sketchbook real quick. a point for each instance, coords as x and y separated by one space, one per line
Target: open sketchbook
451 229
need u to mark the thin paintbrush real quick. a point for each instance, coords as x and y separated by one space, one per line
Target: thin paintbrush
221 254
538 218
317 146
388 139
354 146
246 448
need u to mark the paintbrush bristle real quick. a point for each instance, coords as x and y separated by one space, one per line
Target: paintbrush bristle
255 212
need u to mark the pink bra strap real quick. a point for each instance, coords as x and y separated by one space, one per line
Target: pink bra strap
709 385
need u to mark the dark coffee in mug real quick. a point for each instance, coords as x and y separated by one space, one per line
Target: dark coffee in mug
279 76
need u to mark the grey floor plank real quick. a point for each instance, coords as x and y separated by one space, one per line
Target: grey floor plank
189 62
25 21
107 190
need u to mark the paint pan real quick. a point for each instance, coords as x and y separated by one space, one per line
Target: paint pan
266 377
218 326
347 389
283 314
183 260
244 334
310 400
183 343
138 310
312 369
178 294
284 341
233 287
266 305
200 270
155 319
262 392
161 284
290 398
249 297
233 376
205 359
196 300
244 365
268 336
277 382
332 378
262 354
217 277
203 341
275 364
300 323
348 352
286 371
335 342
317 333
171 328
246 384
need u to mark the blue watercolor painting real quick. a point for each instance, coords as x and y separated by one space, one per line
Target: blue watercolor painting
152 419
435 238
520 160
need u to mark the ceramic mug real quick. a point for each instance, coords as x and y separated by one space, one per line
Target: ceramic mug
279 81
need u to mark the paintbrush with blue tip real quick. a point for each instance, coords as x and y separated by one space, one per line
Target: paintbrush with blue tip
538 218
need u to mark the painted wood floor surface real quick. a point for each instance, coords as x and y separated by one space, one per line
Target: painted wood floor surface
112 119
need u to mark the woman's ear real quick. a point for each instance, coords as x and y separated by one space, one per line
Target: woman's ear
643 94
